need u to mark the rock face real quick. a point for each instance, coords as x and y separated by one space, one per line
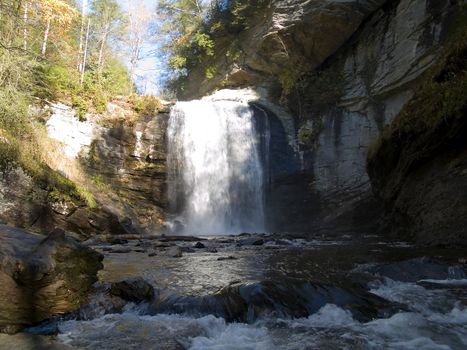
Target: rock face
289 34
42 277
371 55
380 65
129 160
34 206
118 157
419 168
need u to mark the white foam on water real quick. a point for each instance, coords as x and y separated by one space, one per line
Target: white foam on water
446 282
329 315
434 321
222 336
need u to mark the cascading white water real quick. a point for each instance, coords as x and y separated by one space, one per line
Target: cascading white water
215 171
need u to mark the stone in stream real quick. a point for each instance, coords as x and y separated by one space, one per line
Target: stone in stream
188 250
120 249
250 241
174 252
199 245
42 276
136 290
258 242
417 269
230 257
117 241
159 244
247 302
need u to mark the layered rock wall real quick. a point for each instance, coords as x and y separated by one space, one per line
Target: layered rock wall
374 53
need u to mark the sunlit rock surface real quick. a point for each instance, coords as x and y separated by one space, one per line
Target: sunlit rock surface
122 155
42 276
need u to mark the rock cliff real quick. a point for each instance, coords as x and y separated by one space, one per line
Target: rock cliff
343 70
117 159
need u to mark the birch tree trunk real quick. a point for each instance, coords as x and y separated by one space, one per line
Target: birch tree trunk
25 25
81 34
46 37
85 54
100 60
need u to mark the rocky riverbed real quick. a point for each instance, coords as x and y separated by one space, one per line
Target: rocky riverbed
265 291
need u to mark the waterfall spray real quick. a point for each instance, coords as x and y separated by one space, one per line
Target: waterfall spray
215 171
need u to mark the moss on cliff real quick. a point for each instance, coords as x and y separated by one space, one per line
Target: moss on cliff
420 156
434 115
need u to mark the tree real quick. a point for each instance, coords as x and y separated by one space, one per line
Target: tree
139 17
56 11
179 18
25 24
81 35
108 22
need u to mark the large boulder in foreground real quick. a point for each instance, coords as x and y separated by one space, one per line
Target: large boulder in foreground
42 276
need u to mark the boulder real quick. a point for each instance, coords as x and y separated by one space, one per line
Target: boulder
174 252
199 245
42 276
247 302
136 290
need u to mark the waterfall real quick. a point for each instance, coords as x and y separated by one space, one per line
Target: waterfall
215 171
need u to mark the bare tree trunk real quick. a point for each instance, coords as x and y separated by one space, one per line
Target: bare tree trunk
85 55
25 25
81 34
46 37
135 53
100 60
139 17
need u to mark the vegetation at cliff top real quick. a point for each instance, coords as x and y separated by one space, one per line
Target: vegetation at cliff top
198 33
49 49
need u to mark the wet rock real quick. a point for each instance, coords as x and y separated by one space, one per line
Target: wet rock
165 238
188 250
158 244
417 269
282 242
230 257
118 241
246 302
42 276
258 242
152 253
250 241
211 250
136 290
199 245
120 249
25 341
174 252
